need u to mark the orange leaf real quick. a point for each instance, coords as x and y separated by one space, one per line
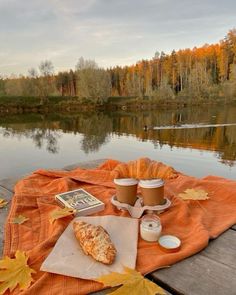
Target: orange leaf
194 194
19 219
132 283
60 213
3 203
15 272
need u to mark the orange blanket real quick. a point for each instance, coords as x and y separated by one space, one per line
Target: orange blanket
194 222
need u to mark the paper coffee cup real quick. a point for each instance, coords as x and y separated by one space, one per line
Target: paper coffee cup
126 190
152 191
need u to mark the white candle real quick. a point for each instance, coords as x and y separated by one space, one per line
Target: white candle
150 228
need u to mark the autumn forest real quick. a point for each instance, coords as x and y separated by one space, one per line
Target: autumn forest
206 72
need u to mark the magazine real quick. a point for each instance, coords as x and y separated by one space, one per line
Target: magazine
80 200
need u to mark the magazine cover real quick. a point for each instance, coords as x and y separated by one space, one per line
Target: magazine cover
81 201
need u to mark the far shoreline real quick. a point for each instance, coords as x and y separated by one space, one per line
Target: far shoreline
27 105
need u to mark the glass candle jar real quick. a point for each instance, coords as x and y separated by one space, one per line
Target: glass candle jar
150 227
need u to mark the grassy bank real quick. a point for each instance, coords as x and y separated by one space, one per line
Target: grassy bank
19 105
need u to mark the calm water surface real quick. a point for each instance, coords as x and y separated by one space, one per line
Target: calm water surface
198 141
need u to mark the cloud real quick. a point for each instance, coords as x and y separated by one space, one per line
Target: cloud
70 7
110 31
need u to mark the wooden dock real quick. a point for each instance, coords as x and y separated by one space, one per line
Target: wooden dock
210 272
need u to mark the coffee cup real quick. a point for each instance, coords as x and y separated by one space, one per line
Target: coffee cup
126 190
152 191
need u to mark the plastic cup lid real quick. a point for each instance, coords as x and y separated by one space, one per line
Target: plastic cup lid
151 183
169 243
125 181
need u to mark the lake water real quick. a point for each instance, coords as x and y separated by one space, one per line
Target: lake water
197 141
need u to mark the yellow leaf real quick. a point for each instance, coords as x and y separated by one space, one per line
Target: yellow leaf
19 219
15 272
60 213
3 203
194 194
132 283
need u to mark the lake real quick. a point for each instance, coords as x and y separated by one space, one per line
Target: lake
195 140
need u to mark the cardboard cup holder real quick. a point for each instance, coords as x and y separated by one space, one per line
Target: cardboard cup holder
138 209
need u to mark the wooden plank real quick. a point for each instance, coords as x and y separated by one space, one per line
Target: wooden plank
223 249
233 227
7 195
199 275
9 183
212 271
86 165
109 290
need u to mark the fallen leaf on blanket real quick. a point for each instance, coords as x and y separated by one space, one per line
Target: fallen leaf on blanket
15 272
19 219
3 203
132 283
194 194
60 213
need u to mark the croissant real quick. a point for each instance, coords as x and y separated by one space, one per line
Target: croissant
95 241
144 168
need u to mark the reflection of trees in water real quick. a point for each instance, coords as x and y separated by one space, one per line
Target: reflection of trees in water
217 139
39 137
51 138
96 130
92 143
220 139
97 127
94 127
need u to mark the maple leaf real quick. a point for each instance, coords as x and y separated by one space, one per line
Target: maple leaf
3 203
194 194
60 213
132 283
19 219
15 272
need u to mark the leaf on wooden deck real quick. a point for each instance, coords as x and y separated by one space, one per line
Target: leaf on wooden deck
19 219
3 203
194 194
60 213
15 272
132 283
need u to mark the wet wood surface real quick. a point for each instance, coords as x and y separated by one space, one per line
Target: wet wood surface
211 271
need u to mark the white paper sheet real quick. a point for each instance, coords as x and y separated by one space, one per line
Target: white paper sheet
67 257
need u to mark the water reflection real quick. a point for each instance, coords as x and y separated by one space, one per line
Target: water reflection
97 129
40 137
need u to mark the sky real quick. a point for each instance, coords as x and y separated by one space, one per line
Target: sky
112 32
